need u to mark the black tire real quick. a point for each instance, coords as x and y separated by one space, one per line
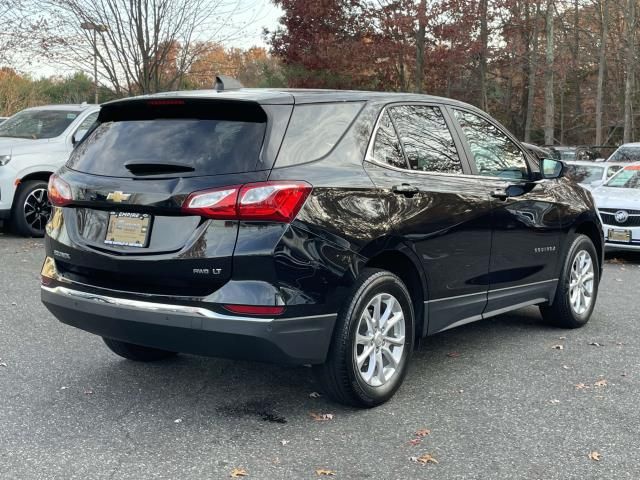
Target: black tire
30 221
561 313
339 375
137 353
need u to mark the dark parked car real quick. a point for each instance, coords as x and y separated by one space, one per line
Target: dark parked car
310 227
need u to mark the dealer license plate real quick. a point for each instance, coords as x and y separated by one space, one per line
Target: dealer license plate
619 235
128 229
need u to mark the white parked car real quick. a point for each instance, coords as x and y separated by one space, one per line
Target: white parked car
618 202
590 173
2 119
627 153
34 143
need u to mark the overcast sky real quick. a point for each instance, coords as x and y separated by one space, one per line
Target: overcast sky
266 13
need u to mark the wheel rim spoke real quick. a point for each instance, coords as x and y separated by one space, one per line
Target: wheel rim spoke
581 282
379 340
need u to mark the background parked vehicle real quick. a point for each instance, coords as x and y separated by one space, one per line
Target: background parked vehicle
575 153
34 143
323 227
591 174
618 202
540 153
626 153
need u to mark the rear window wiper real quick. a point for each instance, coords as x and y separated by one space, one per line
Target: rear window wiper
157 168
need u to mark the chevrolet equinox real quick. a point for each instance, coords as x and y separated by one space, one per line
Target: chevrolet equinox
331 228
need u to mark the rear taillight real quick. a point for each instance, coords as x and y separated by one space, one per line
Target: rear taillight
278 201
59 192
255 309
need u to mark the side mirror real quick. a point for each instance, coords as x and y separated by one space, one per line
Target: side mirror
78 136
551 168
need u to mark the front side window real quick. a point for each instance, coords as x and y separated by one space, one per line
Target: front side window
427 141
493 152
386 148
37 124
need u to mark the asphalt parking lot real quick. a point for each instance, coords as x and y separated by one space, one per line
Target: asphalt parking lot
499 401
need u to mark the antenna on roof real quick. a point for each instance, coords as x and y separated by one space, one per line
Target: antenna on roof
224 82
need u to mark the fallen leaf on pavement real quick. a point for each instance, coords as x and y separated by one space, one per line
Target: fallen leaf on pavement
324 471
581 386
88 392
3 364
238 472
422 432
315 395
177 420
566 367
595 344
284 442
453 354
424 459
415 441
600 383
554 401
558 347
322 417
595 456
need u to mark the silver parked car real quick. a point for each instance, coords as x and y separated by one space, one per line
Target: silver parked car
618 202
626 153
591 174
2 119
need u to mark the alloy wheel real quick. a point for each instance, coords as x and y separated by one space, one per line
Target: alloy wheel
37 209
581 282
380 340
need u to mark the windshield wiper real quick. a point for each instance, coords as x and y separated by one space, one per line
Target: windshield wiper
157 168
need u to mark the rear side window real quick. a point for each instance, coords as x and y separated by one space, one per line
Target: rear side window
427 141
314 130
386 148
136 144
493 152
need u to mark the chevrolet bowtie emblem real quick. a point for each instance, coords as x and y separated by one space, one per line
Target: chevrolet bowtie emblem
118 197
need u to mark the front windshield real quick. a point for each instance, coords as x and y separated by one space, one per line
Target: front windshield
625 154
627 178
37 124
584 173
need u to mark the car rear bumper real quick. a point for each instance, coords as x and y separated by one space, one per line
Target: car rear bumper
195 330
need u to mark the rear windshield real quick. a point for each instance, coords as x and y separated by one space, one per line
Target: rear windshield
36 124
179 146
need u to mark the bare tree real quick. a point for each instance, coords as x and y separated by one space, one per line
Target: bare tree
532 68
484 52
141 46
630 54
420 43
603 7
548 74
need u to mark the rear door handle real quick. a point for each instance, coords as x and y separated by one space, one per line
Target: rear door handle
500 193
405 189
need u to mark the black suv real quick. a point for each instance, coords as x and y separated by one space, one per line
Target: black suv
310 227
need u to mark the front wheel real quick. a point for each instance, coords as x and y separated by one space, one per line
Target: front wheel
577 287
372 342
31 209
137 353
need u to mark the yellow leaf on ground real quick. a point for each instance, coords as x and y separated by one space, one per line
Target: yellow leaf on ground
324 471
600 383
322 417
595 456
238 472
423 432
426 458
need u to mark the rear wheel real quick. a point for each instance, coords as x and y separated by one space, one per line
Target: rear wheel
372 342
577 287
137 353
31 209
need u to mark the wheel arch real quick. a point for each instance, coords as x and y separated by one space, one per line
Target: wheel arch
402 261
590 228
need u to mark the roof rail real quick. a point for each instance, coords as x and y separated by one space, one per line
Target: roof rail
224 82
